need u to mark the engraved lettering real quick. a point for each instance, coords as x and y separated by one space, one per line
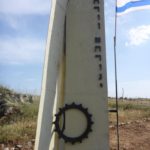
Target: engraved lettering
100 77
98 17
100 67
99 57
101 85
97 39
99 25
97 48
95 1
97 8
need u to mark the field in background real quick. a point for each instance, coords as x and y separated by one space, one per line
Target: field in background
130 110
134 124
21 125
18 117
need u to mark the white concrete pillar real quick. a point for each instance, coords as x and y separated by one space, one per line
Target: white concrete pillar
86 79
53 55
80 73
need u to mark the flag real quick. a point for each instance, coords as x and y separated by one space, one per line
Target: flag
125 6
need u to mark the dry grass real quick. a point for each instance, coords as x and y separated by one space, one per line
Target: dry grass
130 110
20 126
20 131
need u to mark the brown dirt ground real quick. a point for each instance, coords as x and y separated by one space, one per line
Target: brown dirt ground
133 136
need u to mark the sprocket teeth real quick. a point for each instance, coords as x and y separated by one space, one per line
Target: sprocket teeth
66 105
73 104
73 142
90 130
92 122
83 136
86 109
80 105
60 109
80 141
66 140
86 136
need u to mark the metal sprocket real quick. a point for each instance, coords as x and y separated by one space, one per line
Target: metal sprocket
60 132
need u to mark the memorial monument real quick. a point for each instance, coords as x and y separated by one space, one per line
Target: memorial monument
73 112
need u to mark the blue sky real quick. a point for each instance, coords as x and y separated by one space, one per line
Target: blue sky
23 33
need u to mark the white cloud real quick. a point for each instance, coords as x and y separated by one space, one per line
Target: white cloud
21 51
25 7
138 35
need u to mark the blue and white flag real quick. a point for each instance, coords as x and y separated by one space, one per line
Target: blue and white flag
125 6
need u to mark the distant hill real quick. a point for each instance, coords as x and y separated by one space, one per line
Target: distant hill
10 100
